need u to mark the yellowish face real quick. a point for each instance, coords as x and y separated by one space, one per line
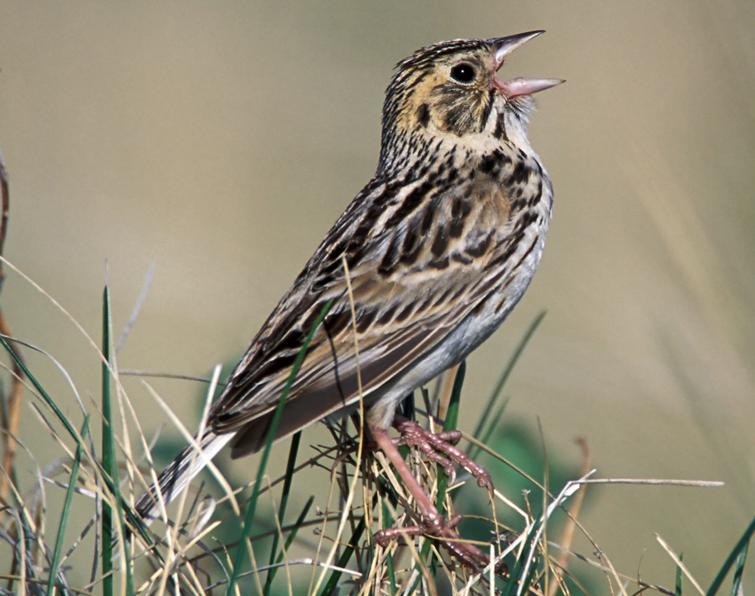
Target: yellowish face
450 91
455 94
447 88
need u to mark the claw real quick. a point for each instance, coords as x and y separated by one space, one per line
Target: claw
439 448
449 436
429 522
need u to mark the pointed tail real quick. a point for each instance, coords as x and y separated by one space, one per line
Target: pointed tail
179 473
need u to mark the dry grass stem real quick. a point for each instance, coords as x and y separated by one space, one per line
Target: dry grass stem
190 554
679 564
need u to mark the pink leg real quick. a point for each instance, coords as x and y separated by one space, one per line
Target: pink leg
439 448
430 521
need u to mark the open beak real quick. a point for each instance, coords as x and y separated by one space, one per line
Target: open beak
503 46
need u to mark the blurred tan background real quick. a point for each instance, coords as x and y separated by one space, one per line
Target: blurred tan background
221 140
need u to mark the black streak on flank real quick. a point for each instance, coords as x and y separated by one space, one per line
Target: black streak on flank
535 198
526 254
521 173
423 115
492 162
488 163
511 247
518 204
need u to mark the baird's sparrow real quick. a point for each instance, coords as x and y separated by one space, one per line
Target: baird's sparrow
438 248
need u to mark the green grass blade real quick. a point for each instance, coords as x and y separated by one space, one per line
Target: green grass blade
41 390
59 539
110 464
679 576
739 548
736 585
292 535
109 461
63 419
344 559
251 506
518 351
388 523
299 521
514 577
288 479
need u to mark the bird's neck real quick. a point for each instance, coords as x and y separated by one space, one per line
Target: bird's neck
415 154
503 160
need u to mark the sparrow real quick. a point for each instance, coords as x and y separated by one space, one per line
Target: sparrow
434 252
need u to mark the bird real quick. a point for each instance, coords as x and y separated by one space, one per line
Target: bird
423 265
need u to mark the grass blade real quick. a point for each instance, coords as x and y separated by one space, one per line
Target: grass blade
739 548
515 578
45 396
388 523
295 530
66 510
299 521
292 453
330 586
736 585
679 576
251 507
109 460
63 419
110 465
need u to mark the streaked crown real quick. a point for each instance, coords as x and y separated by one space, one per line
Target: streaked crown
450 89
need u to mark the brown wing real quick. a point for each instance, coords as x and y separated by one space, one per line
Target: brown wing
417 256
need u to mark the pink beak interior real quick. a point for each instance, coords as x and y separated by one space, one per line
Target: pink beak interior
504 46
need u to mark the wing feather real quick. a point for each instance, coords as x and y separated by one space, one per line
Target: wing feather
413 283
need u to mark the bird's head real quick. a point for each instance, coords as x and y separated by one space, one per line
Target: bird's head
450 89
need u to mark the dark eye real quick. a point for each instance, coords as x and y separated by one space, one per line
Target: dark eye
463 73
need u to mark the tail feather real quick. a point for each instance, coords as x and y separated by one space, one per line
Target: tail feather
180 472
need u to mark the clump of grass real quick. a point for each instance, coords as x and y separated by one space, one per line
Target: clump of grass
98 545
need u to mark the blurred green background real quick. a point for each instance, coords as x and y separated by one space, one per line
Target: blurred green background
221 140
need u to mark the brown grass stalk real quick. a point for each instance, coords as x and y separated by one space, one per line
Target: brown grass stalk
13 405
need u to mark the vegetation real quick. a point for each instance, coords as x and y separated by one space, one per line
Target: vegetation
68 526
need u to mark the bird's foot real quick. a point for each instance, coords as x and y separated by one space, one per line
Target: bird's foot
442 530
428 521
441 449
